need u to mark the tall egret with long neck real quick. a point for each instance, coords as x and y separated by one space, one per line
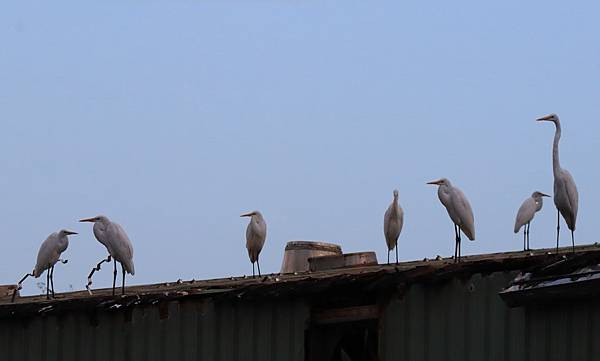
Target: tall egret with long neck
527 211
393 221
119 248
48 256
566 197
256 234
459 210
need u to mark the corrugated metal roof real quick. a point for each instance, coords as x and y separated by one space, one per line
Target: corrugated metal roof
276 285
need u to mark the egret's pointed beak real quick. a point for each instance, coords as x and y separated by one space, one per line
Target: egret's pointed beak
435 183
545 195
547 117
247 214
87 220
70 233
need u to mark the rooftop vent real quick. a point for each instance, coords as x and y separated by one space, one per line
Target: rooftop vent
297 253
341 261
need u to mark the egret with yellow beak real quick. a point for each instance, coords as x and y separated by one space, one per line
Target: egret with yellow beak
119 248
459 210
256 234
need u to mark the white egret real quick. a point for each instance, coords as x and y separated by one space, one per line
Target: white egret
566 197
118 245
393 221
256 234
459 210
48 256
527 211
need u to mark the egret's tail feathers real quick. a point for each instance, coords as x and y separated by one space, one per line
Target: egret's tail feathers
129 267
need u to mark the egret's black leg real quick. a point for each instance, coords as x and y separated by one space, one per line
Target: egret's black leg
97 268
114 275
459 250
525 238
388 256
573 239
253 274
557 229
456 243
258 266
396 253
123 284
52 280
19 286
48 284
528 226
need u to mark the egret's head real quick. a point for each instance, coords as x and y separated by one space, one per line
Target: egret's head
66 232
94 219
250 214
538 195
548 118
440 182
395 193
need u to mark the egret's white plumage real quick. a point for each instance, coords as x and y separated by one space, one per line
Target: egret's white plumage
525 215
393 220
459 209
48 255
256 234
50 251
566 196
117 243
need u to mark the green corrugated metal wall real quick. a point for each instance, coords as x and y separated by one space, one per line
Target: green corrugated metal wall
451 320
466 320
192 331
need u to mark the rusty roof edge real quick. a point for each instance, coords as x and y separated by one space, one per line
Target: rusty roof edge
277 285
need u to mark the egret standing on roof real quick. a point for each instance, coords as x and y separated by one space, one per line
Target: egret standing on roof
459 210
528 209
119 248
256 234
392 225
566 197
48 255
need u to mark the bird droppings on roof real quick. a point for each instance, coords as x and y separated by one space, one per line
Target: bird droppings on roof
355 279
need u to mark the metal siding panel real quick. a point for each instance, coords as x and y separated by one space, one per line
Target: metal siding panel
457 314
436 319
152 334
515 344
137 334
498 313
559 328
282 336
15 347
227 329
208 332
245 331
580 336
35 340
172 339
120 342
415 320
300 320
189 330
594 346
51 338
263 334
476 333
392 331
69 337
538 334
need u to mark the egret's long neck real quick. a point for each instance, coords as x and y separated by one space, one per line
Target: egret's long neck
555 155
395 209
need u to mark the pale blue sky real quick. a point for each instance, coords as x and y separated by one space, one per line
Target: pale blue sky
173 117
